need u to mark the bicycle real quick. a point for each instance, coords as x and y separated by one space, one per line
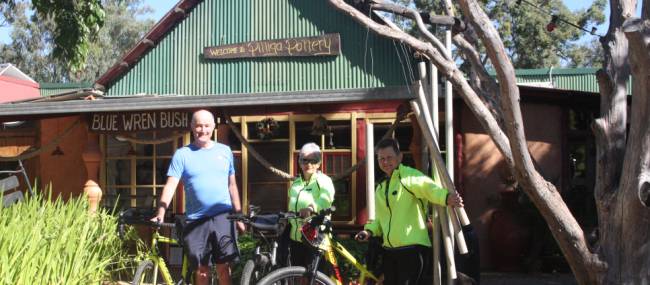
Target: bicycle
266 229
153 269
317 233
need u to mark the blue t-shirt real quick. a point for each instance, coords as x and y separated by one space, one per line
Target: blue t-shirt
205 174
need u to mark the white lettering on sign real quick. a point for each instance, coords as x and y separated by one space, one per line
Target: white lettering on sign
142 121
104 123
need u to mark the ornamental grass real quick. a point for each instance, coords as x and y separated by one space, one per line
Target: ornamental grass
46 241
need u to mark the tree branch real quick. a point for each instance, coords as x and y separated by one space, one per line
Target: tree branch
413 15
446 67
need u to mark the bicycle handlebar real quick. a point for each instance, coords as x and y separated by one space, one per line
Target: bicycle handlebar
132 217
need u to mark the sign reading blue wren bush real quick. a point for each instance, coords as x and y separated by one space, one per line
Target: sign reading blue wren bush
325 45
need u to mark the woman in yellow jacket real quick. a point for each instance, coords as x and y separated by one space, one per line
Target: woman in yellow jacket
311 192
400 203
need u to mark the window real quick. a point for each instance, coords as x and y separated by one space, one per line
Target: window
135 170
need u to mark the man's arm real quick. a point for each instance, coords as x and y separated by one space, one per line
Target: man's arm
234 193
166 197
234 198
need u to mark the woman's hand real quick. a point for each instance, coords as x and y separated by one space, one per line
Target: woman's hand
306 212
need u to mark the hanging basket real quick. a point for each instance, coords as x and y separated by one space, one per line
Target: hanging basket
266 128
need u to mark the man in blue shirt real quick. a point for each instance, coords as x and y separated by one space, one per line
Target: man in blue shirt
208 174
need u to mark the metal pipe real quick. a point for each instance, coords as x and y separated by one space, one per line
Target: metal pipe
370 170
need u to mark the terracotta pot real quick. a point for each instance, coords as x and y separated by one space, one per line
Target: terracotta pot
509 236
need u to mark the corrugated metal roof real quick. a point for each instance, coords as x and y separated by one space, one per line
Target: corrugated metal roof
49 89
578 79
176 64
152 102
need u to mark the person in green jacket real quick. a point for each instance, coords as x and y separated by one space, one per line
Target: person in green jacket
400 204
311 192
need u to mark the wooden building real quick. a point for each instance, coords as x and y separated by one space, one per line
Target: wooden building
286 73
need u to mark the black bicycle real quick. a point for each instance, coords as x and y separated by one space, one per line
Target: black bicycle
266 229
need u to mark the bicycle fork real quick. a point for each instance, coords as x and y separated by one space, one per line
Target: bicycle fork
329 256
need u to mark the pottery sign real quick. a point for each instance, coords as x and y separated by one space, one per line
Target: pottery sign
325 45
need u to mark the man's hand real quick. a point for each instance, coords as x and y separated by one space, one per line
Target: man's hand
362 235
160 216
156 219
454 200
241 227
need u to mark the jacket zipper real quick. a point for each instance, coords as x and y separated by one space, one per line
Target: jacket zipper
295 207
390 213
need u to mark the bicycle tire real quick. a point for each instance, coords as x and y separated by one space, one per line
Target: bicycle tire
294 273
249 273
144 274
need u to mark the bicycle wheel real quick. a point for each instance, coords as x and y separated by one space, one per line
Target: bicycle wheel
292 275
147 274
250 274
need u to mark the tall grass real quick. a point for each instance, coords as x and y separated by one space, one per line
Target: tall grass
56 242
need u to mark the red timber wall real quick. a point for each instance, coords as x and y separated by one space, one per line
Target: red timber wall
484 174
66 173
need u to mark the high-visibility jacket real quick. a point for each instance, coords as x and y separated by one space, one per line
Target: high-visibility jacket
318 191
401 207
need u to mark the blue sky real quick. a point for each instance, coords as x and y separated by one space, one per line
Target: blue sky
161 7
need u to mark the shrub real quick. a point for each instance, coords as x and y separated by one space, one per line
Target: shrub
57 242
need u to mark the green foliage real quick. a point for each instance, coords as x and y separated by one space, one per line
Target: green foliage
57 242
76 23
523 30
33 46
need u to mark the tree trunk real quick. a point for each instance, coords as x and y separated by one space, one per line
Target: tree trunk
610 135
623 177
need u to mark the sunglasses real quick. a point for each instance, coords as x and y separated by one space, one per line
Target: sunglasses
309 160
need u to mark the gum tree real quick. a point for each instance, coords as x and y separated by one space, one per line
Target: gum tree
622 254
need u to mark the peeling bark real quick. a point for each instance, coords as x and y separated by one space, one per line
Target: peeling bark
610 134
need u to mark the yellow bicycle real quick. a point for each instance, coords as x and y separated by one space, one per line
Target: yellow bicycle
153 269
317 233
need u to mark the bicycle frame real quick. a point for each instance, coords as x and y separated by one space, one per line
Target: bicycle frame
327 247
154 255
330 247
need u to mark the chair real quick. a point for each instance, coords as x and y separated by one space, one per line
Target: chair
11 183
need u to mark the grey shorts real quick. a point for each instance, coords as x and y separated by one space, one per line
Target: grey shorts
210 241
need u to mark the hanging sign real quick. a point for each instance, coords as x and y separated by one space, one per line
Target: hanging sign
139 121
325 45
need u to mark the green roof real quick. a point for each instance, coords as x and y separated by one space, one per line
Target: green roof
577 79
176 64
48 88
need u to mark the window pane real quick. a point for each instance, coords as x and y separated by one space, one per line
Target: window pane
144 198
303 135
162 164
340 136
116 197
144 172
118 172
115 147
165 149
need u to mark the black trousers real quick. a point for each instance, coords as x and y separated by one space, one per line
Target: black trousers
405 265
